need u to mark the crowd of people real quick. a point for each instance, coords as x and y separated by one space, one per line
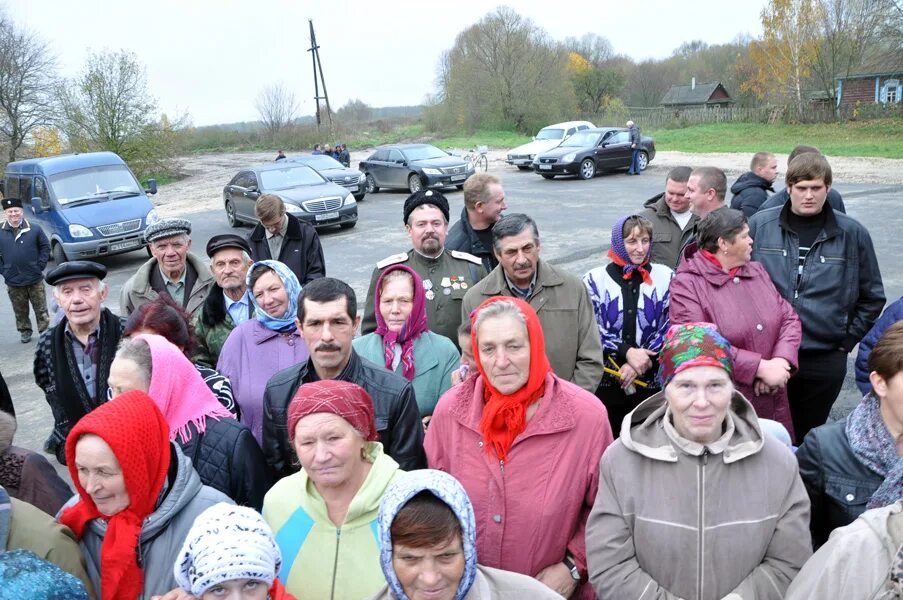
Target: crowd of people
501 428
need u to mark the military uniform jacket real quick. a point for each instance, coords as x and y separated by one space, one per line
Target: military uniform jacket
446 279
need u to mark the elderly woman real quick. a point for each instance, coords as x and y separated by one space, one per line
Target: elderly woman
261 347
324 516
854 464
694 500
138 496
720 284
427 540
630 300
402 340
221 449
511 434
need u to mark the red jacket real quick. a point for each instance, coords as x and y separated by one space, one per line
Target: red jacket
750 313
533 510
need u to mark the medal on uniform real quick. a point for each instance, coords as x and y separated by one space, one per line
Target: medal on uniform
456 286
445 282
463 285
427 284
446 291
430 295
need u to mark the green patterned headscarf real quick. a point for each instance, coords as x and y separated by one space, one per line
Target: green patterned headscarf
693 345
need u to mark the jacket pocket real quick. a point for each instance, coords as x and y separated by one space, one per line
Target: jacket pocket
382 425
848 499
662 236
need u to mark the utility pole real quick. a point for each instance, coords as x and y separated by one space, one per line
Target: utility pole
319 81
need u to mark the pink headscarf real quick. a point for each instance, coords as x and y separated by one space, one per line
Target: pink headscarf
179 391
413 327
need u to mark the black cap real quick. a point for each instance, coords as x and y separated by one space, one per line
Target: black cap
75 269
425 197
227 240
11 203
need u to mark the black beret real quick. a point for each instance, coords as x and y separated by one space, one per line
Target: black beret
75 269
11 203
227 240
425 197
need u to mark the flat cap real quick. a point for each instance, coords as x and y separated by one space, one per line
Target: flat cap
11 203
422 197
227 240
165 228
75 269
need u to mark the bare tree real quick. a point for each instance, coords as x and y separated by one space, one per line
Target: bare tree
355 111
595 48
277 107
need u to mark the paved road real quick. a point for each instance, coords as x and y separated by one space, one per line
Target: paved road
574 219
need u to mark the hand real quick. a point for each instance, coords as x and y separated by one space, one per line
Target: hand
558 577
773 372
426 422
176 594
640 359
627 376
456 377
761 389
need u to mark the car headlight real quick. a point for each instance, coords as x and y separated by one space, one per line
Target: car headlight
80 231
349 200
468 166
569 157
429 171
152 217
293 208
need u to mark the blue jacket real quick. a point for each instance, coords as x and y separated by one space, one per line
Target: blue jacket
891 315
23 254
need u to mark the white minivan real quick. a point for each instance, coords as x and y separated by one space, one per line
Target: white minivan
547 138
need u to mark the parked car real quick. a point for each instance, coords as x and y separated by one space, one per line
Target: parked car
588 152
306 194
414 166
547 138
336 172
89 205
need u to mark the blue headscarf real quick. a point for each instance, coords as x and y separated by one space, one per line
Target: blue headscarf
446 488
26 576
286 322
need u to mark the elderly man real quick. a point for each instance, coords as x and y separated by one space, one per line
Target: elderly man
484 201
286 238
327 320
671 217
24 252
73 358
559 298
172 270
228 304
447 275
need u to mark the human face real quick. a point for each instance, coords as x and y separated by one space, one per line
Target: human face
100 475
738 252
274 226
518 255
807 198
432 573
329 449
637 244
396 302
467 352
890 394
237 589
230 269
270 295
699 398
428 229
328 330
492 208
14 216
504 349
770 171
701 201
81 300
125 376
171 254
676 196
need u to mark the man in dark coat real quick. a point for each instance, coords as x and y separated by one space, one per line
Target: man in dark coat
24 252
672 220
780 198
635 140
283 237
484 201
751 189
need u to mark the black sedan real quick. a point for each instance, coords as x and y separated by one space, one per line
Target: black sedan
306 194
414 166
336 172
593 150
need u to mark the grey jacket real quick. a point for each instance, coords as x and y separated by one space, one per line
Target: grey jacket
667 236
137 290
676 519
163 532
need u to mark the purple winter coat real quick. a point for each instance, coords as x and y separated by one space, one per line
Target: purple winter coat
750 313
251 355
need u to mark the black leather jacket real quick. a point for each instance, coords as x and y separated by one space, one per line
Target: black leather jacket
461 236
397 416
839 485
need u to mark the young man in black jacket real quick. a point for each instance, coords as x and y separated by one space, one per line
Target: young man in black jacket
752 188
283 237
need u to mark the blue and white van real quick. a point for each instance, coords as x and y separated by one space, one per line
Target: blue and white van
89 205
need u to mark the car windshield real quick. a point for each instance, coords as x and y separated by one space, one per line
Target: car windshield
423 153
321 161
95 183
550 134
289 177
581 139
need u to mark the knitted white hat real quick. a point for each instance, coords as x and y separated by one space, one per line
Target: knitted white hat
227 542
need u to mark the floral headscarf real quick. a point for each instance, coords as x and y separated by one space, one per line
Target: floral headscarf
693 345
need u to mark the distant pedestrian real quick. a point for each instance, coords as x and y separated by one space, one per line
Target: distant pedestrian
342 155
280 155
24 252
635 139
317 149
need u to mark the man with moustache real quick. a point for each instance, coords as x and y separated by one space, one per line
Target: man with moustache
671 217
447 274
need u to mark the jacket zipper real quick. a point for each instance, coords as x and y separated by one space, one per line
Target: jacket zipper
335 563
700 544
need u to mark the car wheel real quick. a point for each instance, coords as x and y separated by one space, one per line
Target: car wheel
587 169
59 255
642 161
523 168
348 225
371 184
359 198
547 176
233 219
414 183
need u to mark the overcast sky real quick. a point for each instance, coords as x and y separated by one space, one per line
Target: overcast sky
211 58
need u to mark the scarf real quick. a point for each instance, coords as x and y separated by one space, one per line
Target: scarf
179 390
618 253
342 398
410 331
134 428
693 345
505 415
286 322
876 449
714 260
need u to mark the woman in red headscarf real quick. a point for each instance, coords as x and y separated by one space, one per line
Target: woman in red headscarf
138 496
526 445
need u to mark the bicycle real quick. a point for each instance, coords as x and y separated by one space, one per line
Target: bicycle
477 158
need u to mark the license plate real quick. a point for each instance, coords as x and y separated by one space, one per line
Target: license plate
458 177
545 167
125 245
352 188
327 216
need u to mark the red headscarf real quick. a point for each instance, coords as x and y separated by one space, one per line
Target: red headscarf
413 327
505 416
343 398
134 428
